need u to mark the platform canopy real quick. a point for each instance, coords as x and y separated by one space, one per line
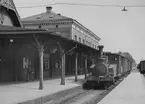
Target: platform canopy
9 31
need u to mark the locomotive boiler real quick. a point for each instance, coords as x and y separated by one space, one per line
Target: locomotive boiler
101 76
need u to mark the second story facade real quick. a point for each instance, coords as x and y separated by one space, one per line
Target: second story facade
64 26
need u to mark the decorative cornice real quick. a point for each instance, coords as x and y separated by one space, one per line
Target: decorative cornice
86 30
47 22
58 22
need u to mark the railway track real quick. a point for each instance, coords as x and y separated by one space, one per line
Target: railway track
97 99
65 98
91 97
76 97
80 96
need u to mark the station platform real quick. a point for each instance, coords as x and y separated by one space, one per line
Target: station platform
22 92
130 91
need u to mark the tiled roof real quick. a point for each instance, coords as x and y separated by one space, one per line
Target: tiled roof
45 16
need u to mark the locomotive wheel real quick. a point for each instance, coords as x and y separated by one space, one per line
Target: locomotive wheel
94 86
86 86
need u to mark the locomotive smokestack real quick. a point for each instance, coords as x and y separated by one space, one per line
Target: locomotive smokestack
101 50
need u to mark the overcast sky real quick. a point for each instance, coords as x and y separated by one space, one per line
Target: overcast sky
119 31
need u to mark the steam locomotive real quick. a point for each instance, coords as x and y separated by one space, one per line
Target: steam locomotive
102 75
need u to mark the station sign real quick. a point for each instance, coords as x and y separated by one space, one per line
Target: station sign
8 4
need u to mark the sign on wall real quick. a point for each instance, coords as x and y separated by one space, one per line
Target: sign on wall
7 3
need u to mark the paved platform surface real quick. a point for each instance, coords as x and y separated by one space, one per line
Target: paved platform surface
130 91
17 93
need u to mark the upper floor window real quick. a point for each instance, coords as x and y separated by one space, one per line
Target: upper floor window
73 26
75 37
46 63
81 31
83 41
79 39
39 26
77 28
87 42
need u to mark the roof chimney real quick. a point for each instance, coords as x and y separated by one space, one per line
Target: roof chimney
48 9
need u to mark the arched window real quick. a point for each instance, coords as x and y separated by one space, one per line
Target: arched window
80 39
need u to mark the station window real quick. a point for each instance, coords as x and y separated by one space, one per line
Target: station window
77 28
87 42
73 26
81 31
39 27
79 39
83 41
75 37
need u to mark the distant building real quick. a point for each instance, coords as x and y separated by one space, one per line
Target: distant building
66 27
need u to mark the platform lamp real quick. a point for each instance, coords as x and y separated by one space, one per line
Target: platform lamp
53 49
124 9
11 40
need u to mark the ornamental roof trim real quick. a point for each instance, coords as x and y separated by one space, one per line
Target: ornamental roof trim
9 4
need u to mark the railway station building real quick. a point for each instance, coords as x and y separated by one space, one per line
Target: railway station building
68 28
66 48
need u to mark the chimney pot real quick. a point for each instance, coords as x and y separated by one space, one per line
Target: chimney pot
48 9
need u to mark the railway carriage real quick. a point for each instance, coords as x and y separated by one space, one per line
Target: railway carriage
141 67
